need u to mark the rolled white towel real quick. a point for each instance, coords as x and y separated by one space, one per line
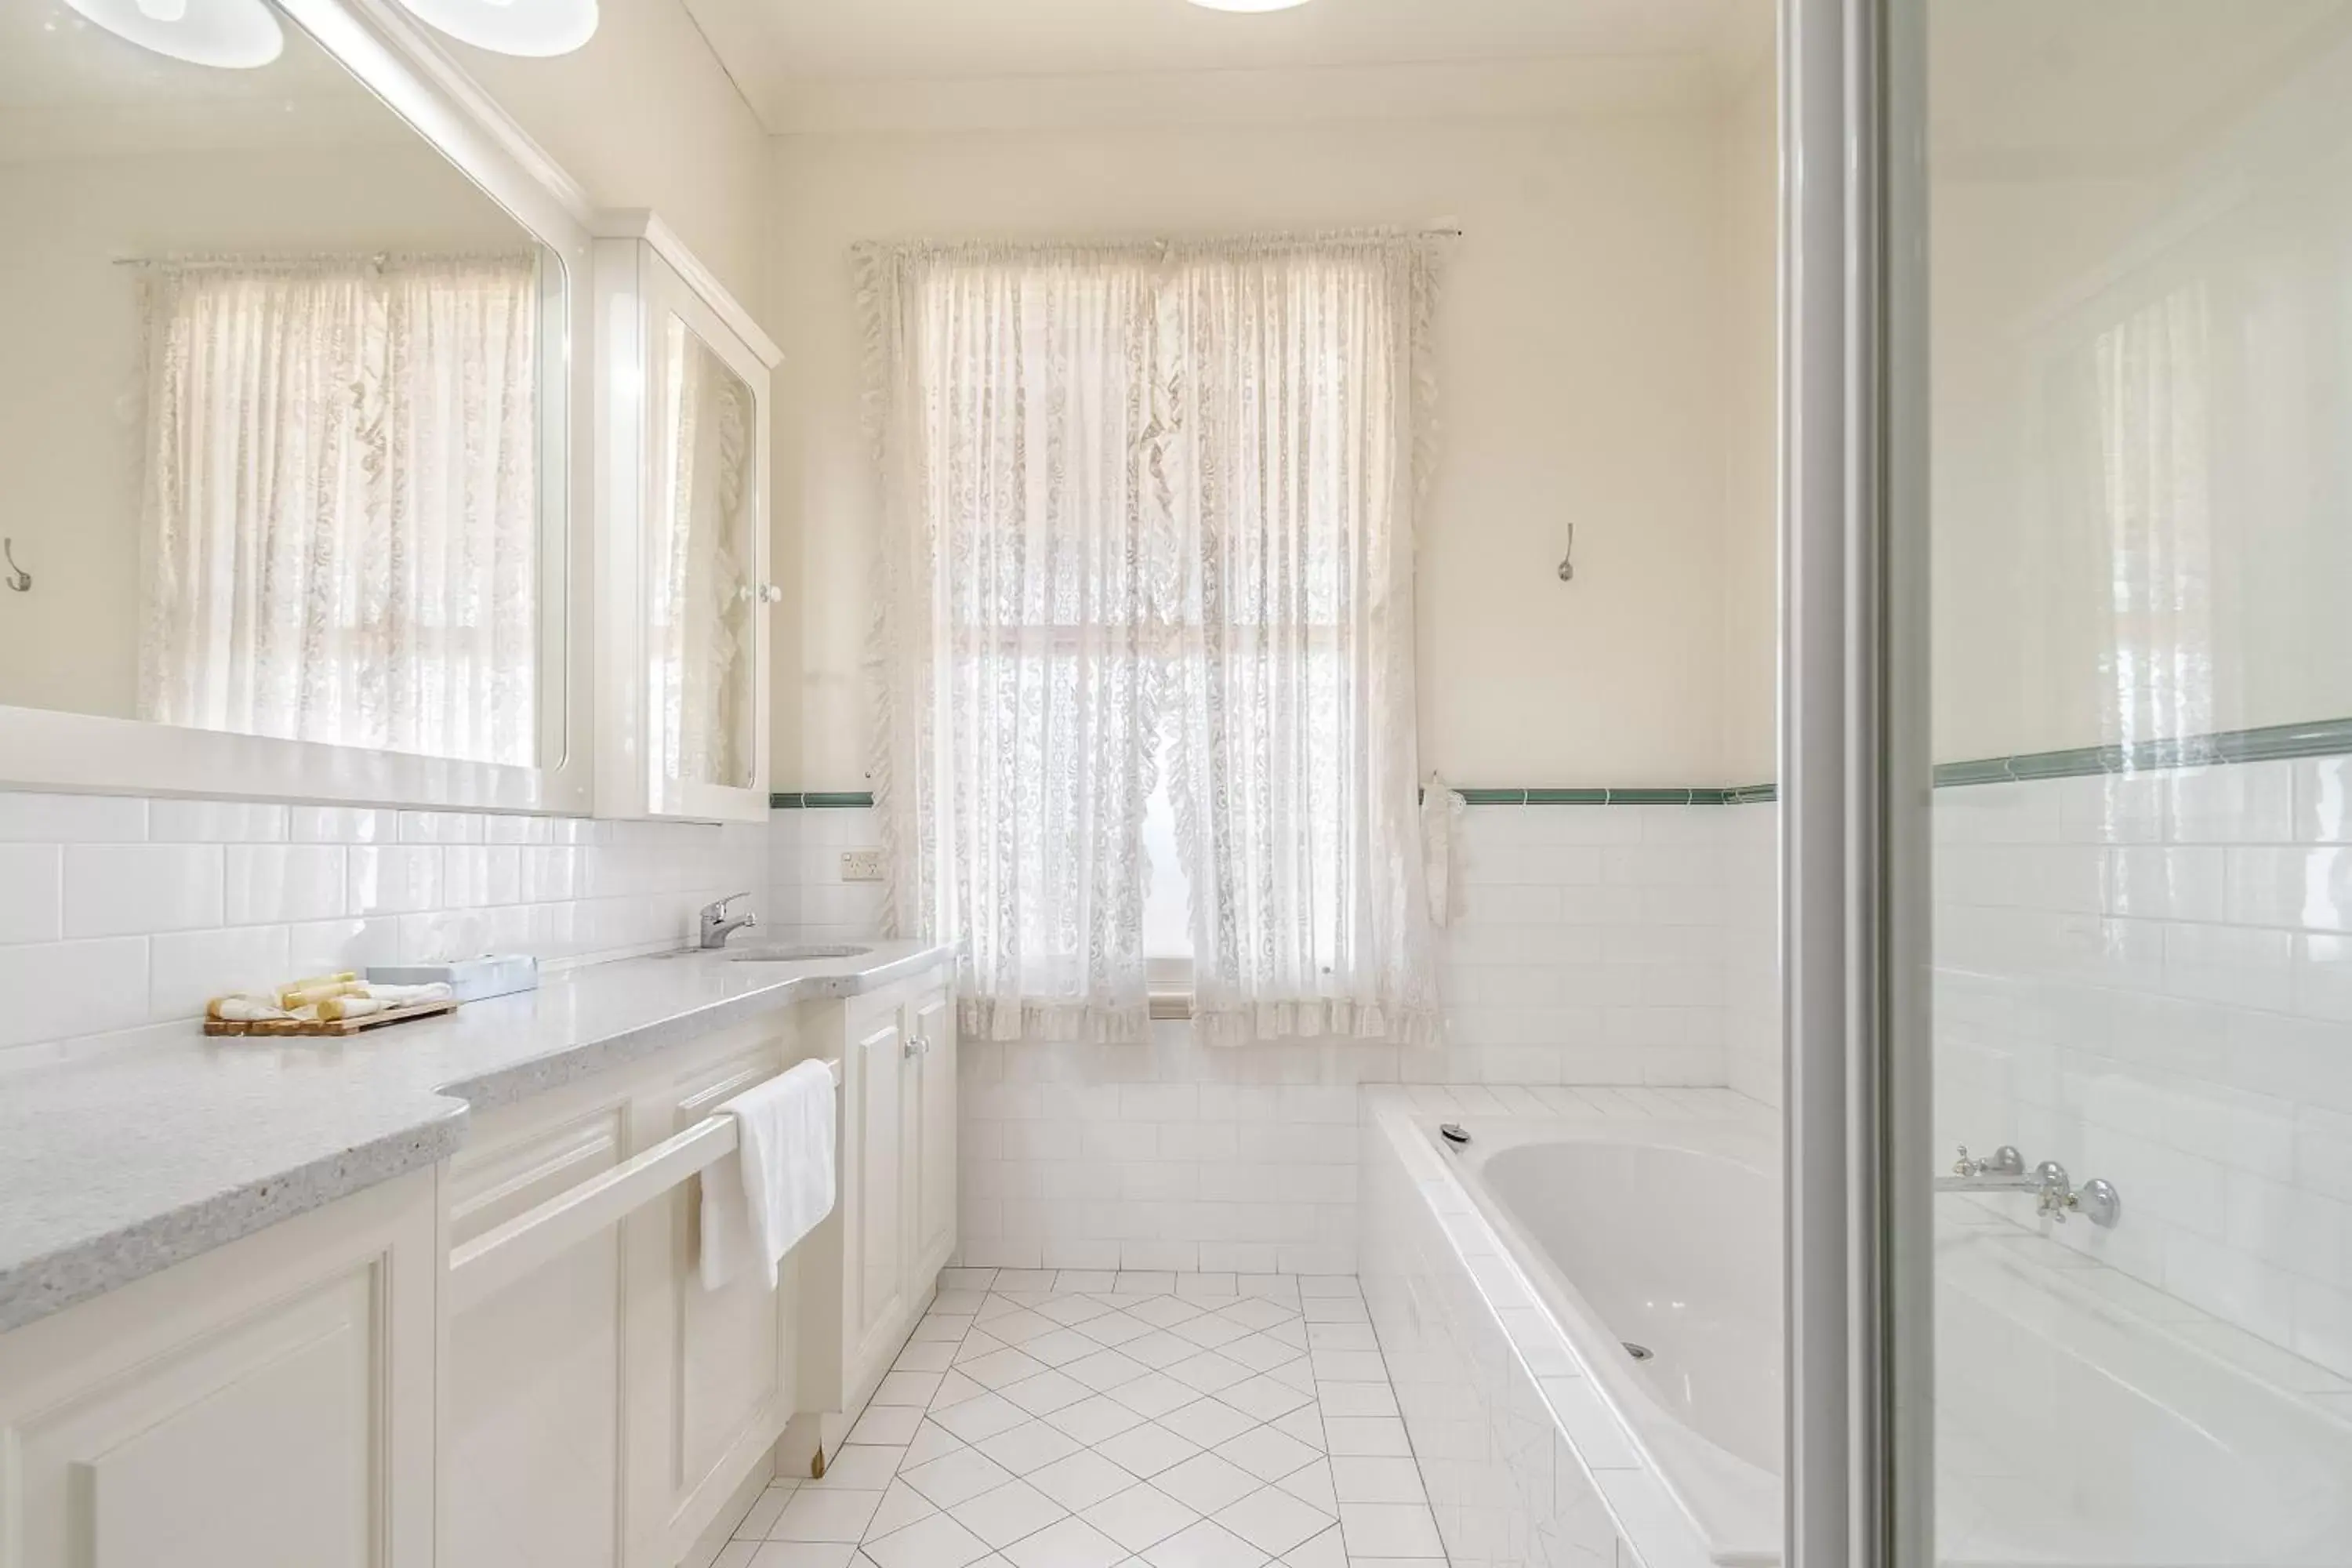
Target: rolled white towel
245 1009
410 995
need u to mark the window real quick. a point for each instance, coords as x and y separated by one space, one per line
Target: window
1137 492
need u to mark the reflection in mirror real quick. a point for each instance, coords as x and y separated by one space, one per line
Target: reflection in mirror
700 562
270 445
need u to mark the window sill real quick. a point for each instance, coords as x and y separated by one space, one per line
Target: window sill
1168 983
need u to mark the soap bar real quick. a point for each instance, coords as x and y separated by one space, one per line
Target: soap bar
468 979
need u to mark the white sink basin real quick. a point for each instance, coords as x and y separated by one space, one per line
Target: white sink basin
797 953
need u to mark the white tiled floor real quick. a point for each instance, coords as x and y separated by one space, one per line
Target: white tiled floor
1038 1419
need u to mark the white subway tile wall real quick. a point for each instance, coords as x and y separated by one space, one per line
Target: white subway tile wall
2149 979
804 882
1165 1154
1751 950
117 914
1592 945
1593 950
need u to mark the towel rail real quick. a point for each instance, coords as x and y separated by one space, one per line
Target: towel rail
500 1256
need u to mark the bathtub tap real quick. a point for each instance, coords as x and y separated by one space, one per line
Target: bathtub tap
2054 1194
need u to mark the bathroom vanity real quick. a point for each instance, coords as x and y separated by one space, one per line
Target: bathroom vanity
430 1295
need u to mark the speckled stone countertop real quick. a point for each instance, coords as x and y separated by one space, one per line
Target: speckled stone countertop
130 1159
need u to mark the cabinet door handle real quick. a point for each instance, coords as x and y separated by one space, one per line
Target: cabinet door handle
914 1048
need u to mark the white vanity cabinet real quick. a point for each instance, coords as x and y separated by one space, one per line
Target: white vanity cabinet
601 1406
710 1372
267 1405
508 1360
931 1096
875 1265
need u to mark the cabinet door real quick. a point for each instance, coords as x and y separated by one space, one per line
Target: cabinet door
683 635
532 1448
930 1027
877 1270
707 1393
243 1410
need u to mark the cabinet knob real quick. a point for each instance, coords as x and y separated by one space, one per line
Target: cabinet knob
770 593
914 1048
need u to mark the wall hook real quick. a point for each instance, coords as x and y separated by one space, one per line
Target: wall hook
18 578
1568 561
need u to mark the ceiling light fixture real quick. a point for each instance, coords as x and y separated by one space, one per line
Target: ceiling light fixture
1248 4
536 28
233 35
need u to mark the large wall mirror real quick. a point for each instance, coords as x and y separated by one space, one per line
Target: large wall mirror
284 443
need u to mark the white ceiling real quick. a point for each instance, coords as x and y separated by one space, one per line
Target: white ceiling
795 59
69 88
2032 86
51 57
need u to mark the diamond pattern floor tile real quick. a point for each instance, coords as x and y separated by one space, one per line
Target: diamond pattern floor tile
1206 1483
938 1541
1154 1394
1009 1513
1207 1544
1147 1449
1140 1518
1082 1481
1085 1419
1273 1521
1029 1446
1072 1543
958 1478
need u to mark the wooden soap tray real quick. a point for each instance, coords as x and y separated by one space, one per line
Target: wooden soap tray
328 1026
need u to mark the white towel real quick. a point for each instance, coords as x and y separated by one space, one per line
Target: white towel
781 1182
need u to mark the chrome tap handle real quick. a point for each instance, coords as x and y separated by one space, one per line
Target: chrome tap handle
2055 1195
2004 1161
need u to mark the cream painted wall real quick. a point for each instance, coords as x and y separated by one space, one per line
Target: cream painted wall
71 411
2064 617
1749 272
644 116
1583 357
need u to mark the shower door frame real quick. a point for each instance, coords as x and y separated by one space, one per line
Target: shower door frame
1855 781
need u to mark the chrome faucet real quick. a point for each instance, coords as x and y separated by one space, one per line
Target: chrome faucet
2054 1194
716 926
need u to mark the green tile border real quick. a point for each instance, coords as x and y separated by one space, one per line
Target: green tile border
1618 794
2270 743
2321 738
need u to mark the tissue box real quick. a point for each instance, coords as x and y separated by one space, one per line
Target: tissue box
471 979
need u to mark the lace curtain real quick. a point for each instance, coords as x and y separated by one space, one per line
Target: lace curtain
1296 767
1016 418
340 513
1130 484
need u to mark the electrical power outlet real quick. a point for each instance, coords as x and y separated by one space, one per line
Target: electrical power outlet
861 865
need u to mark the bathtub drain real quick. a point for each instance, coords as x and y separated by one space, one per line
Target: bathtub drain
1639 1353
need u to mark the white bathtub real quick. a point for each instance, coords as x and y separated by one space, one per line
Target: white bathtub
2073 1429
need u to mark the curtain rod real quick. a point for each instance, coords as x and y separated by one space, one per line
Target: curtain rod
372 258
263 259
